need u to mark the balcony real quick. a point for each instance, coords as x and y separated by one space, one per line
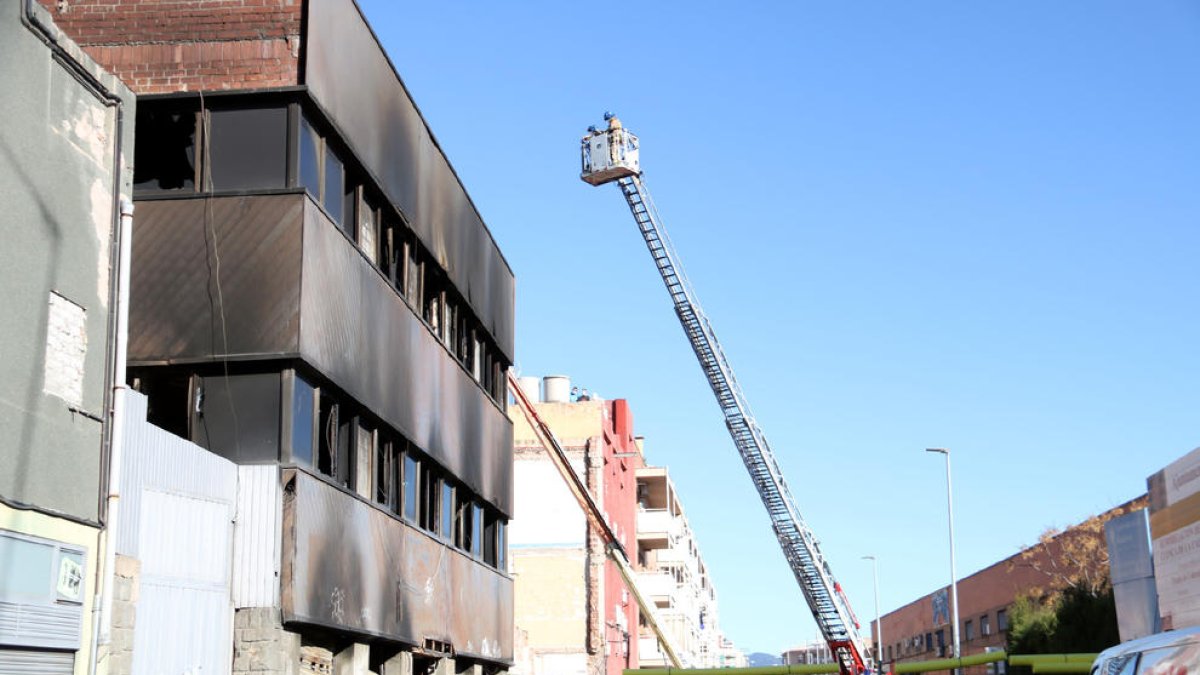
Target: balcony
656 528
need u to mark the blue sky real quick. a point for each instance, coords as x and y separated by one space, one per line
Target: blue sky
912 224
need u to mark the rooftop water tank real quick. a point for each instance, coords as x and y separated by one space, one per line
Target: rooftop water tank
530 385
556 389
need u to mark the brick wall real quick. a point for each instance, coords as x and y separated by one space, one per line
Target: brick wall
160 46
983 594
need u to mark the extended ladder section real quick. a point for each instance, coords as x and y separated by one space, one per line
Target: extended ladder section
595 517
803 552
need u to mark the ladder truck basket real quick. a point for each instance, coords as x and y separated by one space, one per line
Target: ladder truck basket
608 155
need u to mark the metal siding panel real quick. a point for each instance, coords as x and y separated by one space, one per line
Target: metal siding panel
154 459
30 662
173 289
182 630
359 333
350 76
257 533
359 568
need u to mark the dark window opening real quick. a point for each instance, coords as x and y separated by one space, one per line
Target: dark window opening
489 537
247 149
333 197
1001 620
430 494
165 154
167 398
310 159
303 402
237 416
350 203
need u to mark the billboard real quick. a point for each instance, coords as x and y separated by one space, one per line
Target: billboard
1175 531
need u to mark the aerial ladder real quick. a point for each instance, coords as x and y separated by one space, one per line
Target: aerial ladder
595 517
611 155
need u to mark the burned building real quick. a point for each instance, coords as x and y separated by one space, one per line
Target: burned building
315 298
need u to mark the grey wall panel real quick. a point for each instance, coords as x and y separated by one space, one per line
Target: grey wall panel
350 76
175 302
353 318
57 146
350 565
257 537
156 460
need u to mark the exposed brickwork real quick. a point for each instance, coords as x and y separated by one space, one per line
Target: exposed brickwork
983 594
160 46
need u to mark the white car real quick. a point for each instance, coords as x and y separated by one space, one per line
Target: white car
1175 652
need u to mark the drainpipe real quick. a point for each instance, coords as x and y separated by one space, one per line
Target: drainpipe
119 392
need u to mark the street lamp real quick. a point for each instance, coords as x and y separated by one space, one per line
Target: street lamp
953 576
878 623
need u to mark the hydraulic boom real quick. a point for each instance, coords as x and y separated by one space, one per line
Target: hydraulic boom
612 155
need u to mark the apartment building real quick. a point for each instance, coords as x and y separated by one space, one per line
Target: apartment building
316 300
574 614
672 572
64 170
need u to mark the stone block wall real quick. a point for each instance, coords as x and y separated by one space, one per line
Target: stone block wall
261 645
124 615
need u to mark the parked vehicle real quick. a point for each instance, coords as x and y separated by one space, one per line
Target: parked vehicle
1174 652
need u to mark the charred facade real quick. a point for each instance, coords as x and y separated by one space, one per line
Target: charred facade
313 289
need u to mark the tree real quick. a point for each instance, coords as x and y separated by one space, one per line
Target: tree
1075 557
1078 618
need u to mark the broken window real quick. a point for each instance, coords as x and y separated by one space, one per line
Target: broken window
165 157
247 149
385 473
333 457
368 230
433 303
462 521
411 483
167 397
412 275
303 402
430 495
389 259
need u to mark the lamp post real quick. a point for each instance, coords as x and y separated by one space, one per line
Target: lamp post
878 623
953 577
